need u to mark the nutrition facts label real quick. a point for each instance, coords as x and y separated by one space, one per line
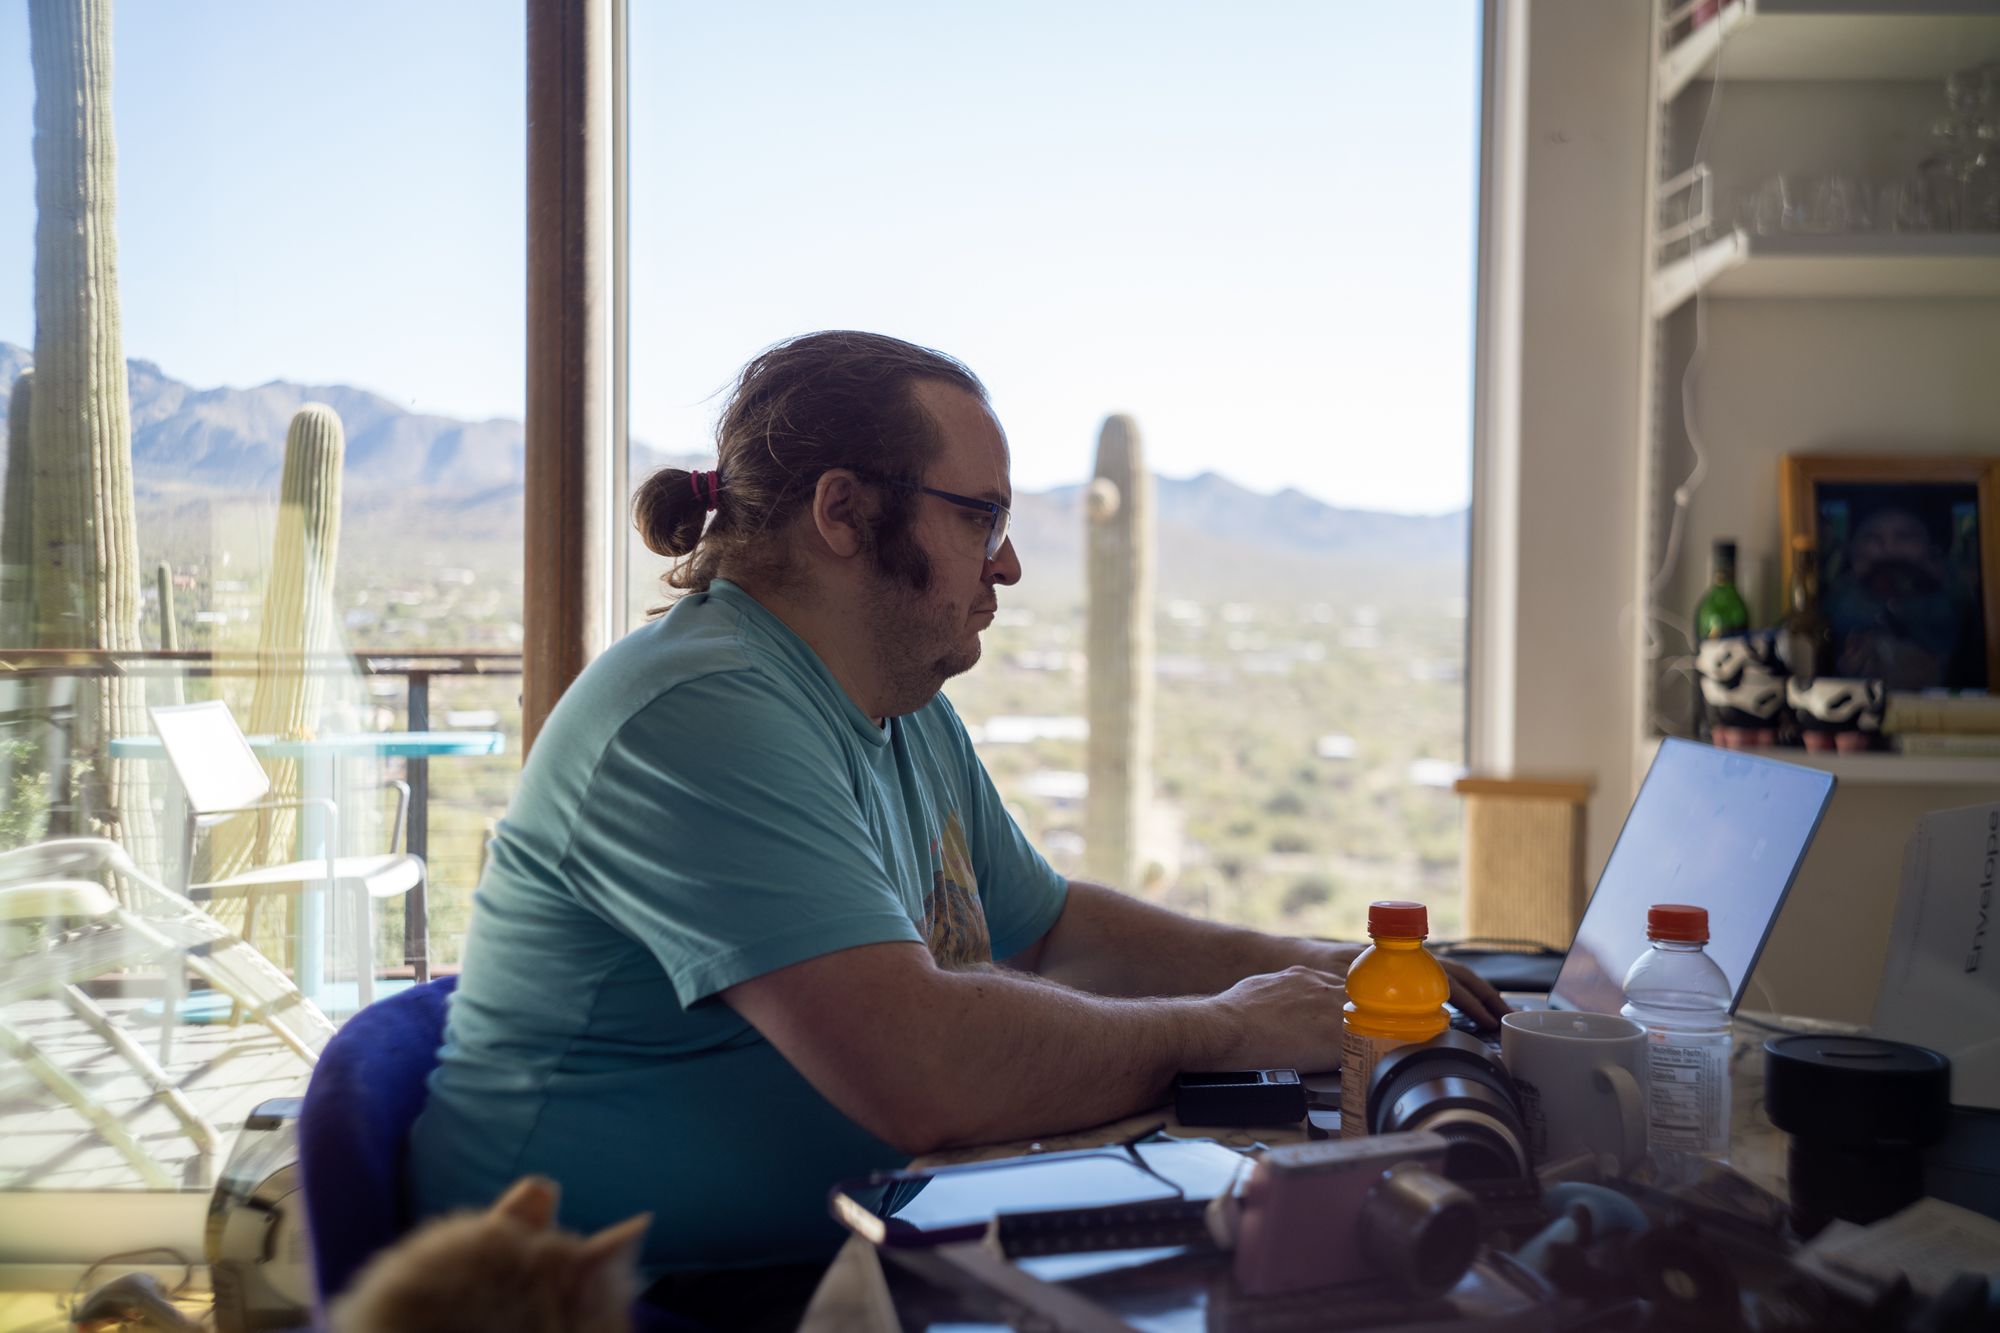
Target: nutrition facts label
1685 1097
1359 1056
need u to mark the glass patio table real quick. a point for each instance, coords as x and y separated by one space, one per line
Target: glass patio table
321 760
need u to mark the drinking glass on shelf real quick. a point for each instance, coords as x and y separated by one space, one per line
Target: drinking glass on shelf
1972 93
1986 112
1764 211
1968 138
1811 205
1807 205
1979 196
1957 139
1787 204
1905 206
1944 191
1840 205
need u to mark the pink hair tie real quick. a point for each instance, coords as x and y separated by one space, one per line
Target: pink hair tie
714 484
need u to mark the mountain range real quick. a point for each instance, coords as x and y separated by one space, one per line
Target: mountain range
191 446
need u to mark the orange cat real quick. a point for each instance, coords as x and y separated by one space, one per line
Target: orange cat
506 1270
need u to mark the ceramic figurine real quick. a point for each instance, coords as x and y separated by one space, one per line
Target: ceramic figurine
1743 687
1841 713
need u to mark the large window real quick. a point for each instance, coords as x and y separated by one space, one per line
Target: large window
308 205
1252 230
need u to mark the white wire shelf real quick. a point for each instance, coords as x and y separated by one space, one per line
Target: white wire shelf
1910 266
1835 39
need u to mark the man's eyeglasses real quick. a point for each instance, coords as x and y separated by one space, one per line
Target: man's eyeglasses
999 515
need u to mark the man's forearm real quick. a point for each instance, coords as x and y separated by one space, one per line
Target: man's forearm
924 1058
1014 1057
1110 944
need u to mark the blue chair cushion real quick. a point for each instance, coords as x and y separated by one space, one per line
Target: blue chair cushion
354 1139
354 1129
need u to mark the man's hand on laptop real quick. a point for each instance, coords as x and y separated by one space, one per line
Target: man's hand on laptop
1474 995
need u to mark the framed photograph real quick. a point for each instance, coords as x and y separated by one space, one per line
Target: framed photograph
1909 564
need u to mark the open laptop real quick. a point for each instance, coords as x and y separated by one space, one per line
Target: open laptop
1713 828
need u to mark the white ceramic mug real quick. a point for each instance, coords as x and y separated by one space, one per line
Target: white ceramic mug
1582 1079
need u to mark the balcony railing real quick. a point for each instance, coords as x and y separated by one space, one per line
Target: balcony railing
417 669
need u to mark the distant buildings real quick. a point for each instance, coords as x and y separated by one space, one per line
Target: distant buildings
1045 659
1434 772
476 719
1337 747
1007 730
1438 669
1057 786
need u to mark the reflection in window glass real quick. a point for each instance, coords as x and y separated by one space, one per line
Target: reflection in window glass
261 285
1252 231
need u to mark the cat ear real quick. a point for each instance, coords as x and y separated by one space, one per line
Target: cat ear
617 1245
531 1201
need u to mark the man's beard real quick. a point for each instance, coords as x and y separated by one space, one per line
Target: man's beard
920 642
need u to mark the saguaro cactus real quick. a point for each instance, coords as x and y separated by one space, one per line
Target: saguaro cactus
85 570
1118 524
17 538
298 596
298 621
163 593
170 625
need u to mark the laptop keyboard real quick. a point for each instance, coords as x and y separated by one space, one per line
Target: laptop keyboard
1462 1022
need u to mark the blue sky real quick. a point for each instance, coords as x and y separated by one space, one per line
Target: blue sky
1250 226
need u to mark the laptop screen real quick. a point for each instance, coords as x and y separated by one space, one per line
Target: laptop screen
1714 828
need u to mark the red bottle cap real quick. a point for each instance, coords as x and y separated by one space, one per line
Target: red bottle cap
1399 920
1677 921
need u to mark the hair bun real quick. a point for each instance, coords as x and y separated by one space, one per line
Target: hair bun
667 514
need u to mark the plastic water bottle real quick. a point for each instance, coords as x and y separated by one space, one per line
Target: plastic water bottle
1682 997
1395 995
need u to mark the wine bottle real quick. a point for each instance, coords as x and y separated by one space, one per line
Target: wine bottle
1805 637
1722 612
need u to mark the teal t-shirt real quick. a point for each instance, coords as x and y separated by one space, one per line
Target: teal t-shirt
705 805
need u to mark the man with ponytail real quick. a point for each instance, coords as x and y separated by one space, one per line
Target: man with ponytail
757 920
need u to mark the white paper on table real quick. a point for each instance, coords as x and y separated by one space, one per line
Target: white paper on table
1941 980
1930 1242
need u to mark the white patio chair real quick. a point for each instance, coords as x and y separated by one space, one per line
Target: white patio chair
221 776
156 923
62 925
69 911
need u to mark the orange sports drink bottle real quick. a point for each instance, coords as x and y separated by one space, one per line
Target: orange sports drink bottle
1395 995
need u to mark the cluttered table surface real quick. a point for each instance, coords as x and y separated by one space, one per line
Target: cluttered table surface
1736 1211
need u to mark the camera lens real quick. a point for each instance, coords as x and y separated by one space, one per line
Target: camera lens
1860 1111
1454 1087
1419 1229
